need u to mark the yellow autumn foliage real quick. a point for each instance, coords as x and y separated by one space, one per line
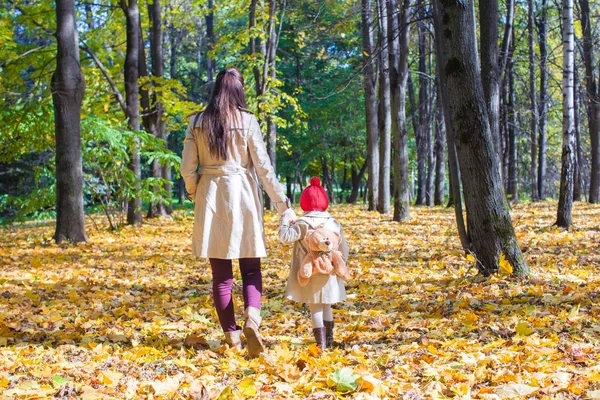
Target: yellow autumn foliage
129 315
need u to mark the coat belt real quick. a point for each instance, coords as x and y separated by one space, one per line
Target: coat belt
222 170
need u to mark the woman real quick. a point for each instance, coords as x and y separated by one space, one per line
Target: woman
226 143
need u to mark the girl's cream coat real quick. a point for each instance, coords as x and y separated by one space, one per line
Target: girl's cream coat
321 289
228 221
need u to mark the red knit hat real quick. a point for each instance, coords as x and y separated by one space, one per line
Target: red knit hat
314 198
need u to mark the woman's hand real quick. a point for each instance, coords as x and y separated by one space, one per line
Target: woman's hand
290 215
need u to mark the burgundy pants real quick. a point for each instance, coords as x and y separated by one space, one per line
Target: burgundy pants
222 274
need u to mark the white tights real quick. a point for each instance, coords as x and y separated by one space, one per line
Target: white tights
320 313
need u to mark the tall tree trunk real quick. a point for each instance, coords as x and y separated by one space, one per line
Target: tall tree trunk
533 137
490 228
327 179
357 177
68 86
383 204
210 39
593 101
565 198
132 16
513 168
578 156
370 105
542 24
492 63
423 133
157 123
398 37
454 199
440 149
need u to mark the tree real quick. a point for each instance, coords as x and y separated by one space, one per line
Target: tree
565 199
385 122
68 85
132 16
440 149
492 63
370 105
490 228
593 101
398 49
542 24
157 111
511 107
533 98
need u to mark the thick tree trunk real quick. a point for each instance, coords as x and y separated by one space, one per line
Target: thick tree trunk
454 199
370 105
593 101
490 228
440 150
533 137
383 204
513 168
132 15
565 198
68 86
398 37
543 109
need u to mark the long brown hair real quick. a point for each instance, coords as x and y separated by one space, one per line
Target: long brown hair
222 111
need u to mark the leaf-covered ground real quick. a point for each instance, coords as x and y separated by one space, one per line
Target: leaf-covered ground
110 318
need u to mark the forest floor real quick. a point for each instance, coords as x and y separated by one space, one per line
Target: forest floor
110 318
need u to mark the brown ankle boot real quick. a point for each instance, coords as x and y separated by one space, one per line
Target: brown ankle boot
328 333
320 337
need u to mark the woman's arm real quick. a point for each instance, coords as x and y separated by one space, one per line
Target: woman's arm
264 169
189 159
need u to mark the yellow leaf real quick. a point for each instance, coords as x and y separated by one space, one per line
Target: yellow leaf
246 387
470 319
505 267
89 393
523 329
470 257
4 382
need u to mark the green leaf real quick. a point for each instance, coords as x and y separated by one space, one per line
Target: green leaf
58 381
345 380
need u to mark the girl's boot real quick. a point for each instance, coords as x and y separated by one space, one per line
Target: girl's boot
328 333
253 338
234 339
320 337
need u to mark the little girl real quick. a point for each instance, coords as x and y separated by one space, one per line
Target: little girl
322 290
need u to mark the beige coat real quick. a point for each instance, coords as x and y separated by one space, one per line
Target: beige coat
321 289
228 211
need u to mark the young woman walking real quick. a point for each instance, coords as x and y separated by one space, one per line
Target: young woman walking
224 157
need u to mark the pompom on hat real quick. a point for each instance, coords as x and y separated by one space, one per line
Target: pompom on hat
314 197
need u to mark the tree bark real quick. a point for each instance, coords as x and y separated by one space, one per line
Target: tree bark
565 198
578 156
593 101
132 16
533 137
513 168
383 204
210 39
68 86
156 112
357 177
423 133
454 198
543 109
398 37
492 67
440 149
370 105
490 228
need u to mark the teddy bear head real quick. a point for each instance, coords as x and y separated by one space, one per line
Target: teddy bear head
322 240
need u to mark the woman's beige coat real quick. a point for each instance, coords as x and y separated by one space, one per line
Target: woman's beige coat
228 211
321 289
